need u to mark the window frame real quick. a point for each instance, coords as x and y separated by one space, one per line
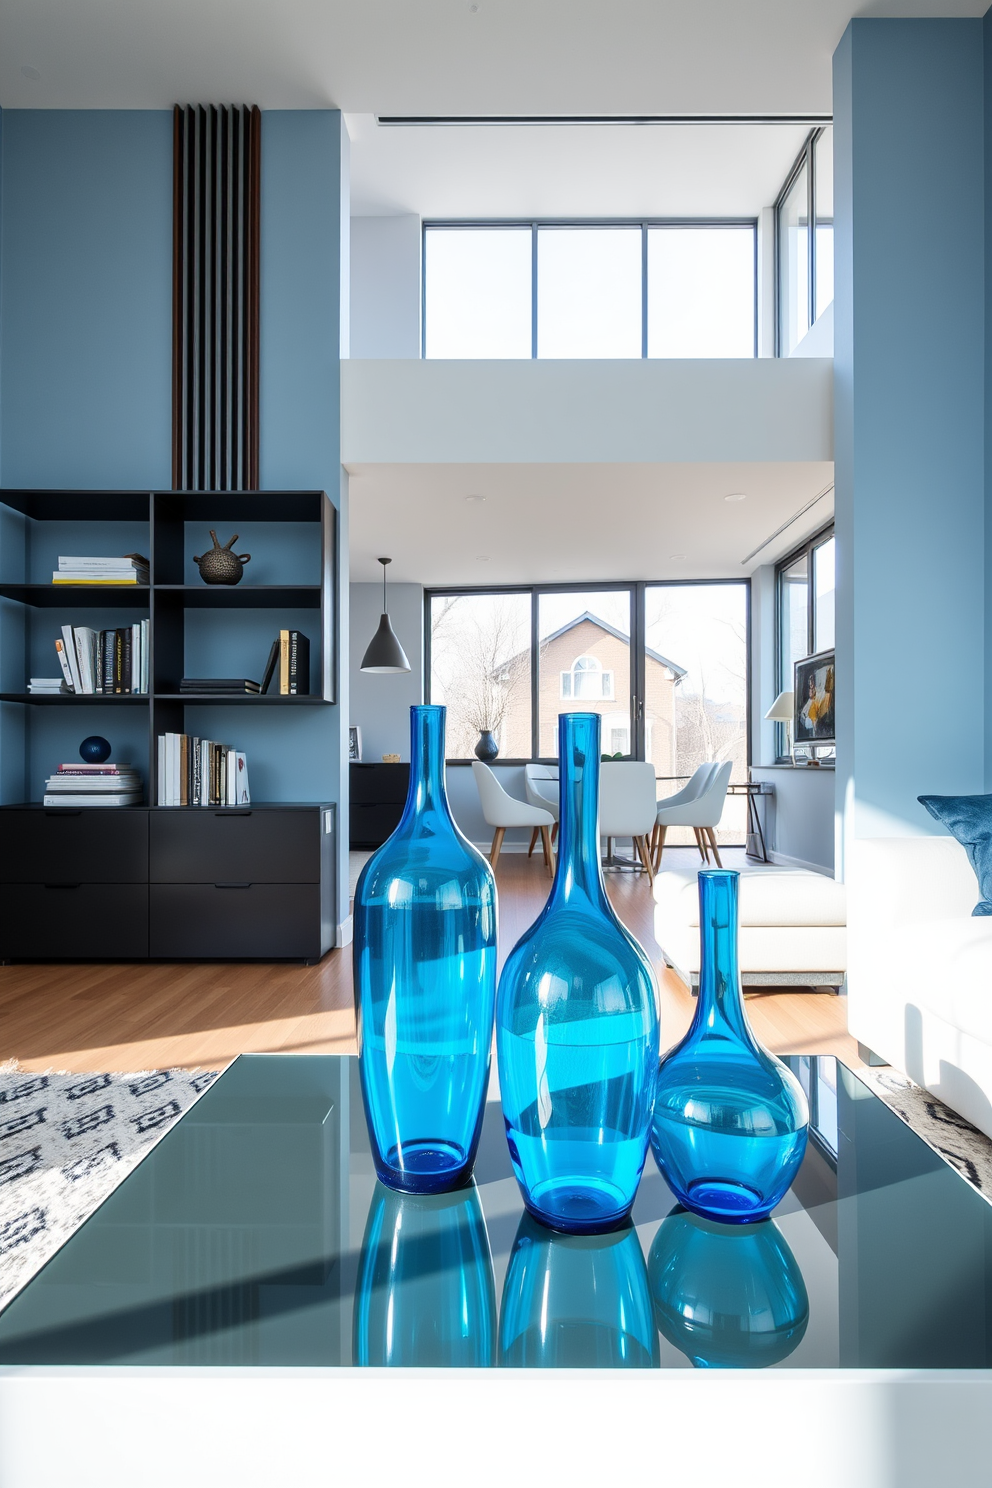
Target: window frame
638 590
535 224
806 158
805 550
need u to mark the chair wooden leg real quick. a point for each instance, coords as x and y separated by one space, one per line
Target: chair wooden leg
554 834
533 843
701 844
716 852
660 848
644 852
498 836
549 857
545 844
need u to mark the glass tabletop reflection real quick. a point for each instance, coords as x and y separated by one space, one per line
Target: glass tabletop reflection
256 1233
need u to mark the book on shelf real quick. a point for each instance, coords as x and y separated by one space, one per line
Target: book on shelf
219 684
109 784
131 569
270 665
200 772
52 686
294 664
108 798
102 662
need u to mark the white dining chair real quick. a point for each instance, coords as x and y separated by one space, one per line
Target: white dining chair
627 805
701 812
541 789
501 810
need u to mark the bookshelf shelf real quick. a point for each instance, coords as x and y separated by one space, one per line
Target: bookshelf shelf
242 596
74 700
79 596
253 699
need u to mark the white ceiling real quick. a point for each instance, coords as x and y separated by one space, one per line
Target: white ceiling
572 523
435 56
583 171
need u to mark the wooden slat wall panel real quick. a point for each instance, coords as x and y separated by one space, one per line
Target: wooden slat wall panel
216 179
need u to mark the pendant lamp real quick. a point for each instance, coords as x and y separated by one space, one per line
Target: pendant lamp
385 654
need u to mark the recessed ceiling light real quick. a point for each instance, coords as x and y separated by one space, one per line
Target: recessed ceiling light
31 73
482 558
476 499
675 557
736 496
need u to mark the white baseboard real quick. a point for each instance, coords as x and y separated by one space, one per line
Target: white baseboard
345 933
784 861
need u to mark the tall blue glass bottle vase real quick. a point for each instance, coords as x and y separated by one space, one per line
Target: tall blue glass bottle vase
577 1026
730 1121
426 1296
425 983
576 1302
727 1296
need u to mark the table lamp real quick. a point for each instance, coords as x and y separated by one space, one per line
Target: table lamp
782 710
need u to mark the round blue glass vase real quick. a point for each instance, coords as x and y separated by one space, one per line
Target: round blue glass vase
576 1302
426 1296
727 1296
425 983
577 1026
730 1121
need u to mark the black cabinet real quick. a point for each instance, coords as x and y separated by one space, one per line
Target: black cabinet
378 794
234 883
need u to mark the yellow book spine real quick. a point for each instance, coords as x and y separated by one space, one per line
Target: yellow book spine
284 662
99 583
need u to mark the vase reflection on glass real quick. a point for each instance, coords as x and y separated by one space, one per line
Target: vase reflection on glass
576 1302
426 1296
425 980
577 1026
730 1121
727 1296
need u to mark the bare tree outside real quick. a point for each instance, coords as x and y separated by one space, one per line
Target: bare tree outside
480 669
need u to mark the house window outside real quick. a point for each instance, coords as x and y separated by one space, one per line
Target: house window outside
586 679
805 279
588 290
805 604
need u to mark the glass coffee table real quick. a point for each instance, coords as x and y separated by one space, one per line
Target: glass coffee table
256 1235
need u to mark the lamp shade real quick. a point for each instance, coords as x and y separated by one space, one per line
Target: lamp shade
782 709
384 653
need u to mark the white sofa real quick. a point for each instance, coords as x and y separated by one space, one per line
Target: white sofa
792 927
920 967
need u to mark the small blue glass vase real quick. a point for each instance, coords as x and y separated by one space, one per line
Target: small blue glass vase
426 1297
730 1121
425 983
576 1302
727 1296
577 1026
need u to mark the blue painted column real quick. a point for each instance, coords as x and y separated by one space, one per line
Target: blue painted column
909 419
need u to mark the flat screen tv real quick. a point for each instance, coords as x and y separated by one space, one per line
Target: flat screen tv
814 700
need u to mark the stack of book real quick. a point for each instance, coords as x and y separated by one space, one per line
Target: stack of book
105 661
291 654
108 784
46 686
227 685
200 772
131 569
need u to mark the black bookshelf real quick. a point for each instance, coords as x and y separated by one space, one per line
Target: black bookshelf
171 603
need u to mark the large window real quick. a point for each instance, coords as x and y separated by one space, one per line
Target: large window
805 259
805 605
664 665
578 290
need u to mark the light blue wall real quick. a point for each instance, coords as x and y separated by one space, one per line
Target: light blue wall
380 704
86 298
909 418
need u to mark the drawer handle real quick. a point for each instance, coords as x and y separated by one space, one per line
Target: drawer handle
232 886
230 812
63 811
62 885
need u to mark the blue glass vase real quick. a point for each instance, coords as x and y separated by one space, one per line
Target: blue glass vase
727 1296
576 1302
577 1026
426 1297
425 982
730 1121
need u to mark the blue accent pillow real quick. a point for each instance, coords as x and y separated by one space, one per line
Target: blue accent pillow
969 819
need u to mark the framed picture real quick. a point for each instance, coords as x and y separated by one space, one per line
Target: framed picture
354 743
814 700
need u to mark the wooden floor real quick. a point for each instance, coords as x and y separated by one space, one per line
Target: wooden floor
117 1017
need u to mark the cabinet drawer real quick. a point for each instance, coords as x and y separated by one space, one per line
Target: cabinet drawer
369 826
262 921
196 847
375 784
90 845
74 922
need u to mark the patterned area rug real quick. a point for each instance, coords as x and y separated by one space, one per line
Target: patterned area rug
960 1144
66 1142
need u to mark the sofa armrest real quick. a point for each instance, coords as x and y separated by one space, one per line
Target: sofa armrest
896 881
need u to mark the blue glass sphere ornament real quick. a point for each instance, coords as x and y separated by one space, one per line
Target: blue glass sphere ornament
727 1296
426 1297
730 1121
577 1026
425 983
94 750
576 1302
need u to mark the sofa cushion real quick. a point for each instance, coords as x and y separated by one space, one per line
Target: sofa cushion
952 962
969 819
768 896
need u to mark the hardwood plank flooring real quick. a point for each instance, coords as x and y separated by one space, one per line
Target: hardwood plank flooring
133 1017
